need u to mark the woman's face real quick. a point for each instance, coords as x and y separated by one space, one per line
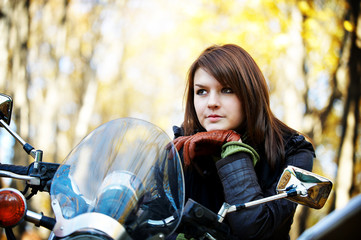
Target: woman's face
217 106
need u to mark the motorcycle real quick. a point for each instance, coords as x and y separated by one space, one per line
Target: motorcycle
125 181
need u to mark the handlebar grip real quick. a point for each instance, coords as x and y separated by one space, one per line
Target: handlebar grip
21 170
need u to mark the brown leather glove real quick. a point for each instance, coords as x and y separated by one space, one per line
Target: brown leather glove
204 143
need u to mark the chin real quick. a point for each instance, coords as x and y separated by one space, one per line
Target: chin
213 128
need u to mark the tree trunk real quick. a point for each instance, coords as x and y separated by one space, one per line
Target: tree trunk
346 160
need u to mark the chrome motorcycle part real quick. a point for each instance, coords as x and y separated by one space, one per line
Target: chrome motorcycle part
119 186
29 179
40 219
6 106
295 184
91 220
313 190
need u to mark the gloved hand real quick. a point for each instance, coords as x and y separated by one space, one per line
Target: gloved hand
204 143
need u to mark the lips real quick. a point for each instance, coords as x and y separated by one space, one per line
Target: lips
214 117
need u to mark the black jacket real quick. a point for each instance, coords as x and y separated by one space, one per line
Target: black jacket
235 180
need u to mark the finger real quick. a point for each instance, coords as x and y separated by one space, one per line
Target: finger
186 156
188 150
233 136
179 142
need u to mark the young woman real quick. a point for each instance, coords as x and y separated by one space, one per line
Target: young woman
233 147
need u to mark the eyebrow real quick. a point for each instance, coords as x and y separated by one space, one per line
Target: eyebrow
203 86
199 85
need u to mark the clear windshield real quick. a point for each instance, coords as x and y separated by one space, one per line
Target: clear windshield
127 169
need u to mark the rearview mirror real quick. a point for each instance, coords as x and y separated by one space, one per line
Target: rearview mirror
314 189
6 106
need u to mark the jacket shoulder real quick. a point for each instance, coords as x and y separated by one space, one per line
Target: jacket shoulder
296 143
178 131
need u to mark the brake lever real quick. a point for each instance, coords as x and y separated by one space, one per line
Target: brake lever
30 179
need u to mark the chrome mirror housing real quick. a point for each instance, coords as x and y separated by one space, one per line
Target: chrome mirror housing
314 189
6 106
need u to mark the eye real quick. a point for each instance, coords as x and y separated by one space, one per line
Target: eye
227 90
201 92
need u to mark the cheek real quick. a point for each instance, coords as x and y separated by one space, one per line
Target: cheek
236 111
199 108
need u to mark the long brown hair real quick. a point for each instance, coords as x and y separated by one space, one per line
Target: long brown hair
232 66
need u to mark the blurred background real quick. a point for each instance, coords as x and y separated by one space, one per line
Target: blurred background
73 65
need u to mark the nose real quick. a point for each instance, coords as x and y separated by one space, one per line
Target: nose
213 100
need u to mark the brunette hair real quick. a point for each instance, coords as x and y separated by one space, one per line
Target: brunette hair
232 66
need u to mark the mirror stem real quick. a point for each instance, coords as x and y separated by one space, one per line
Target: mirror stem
26 146
227 208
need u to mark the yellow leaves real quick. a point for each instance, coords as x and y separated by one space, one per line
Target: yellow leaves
152 43
311 23
280 41
304 7
348 26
